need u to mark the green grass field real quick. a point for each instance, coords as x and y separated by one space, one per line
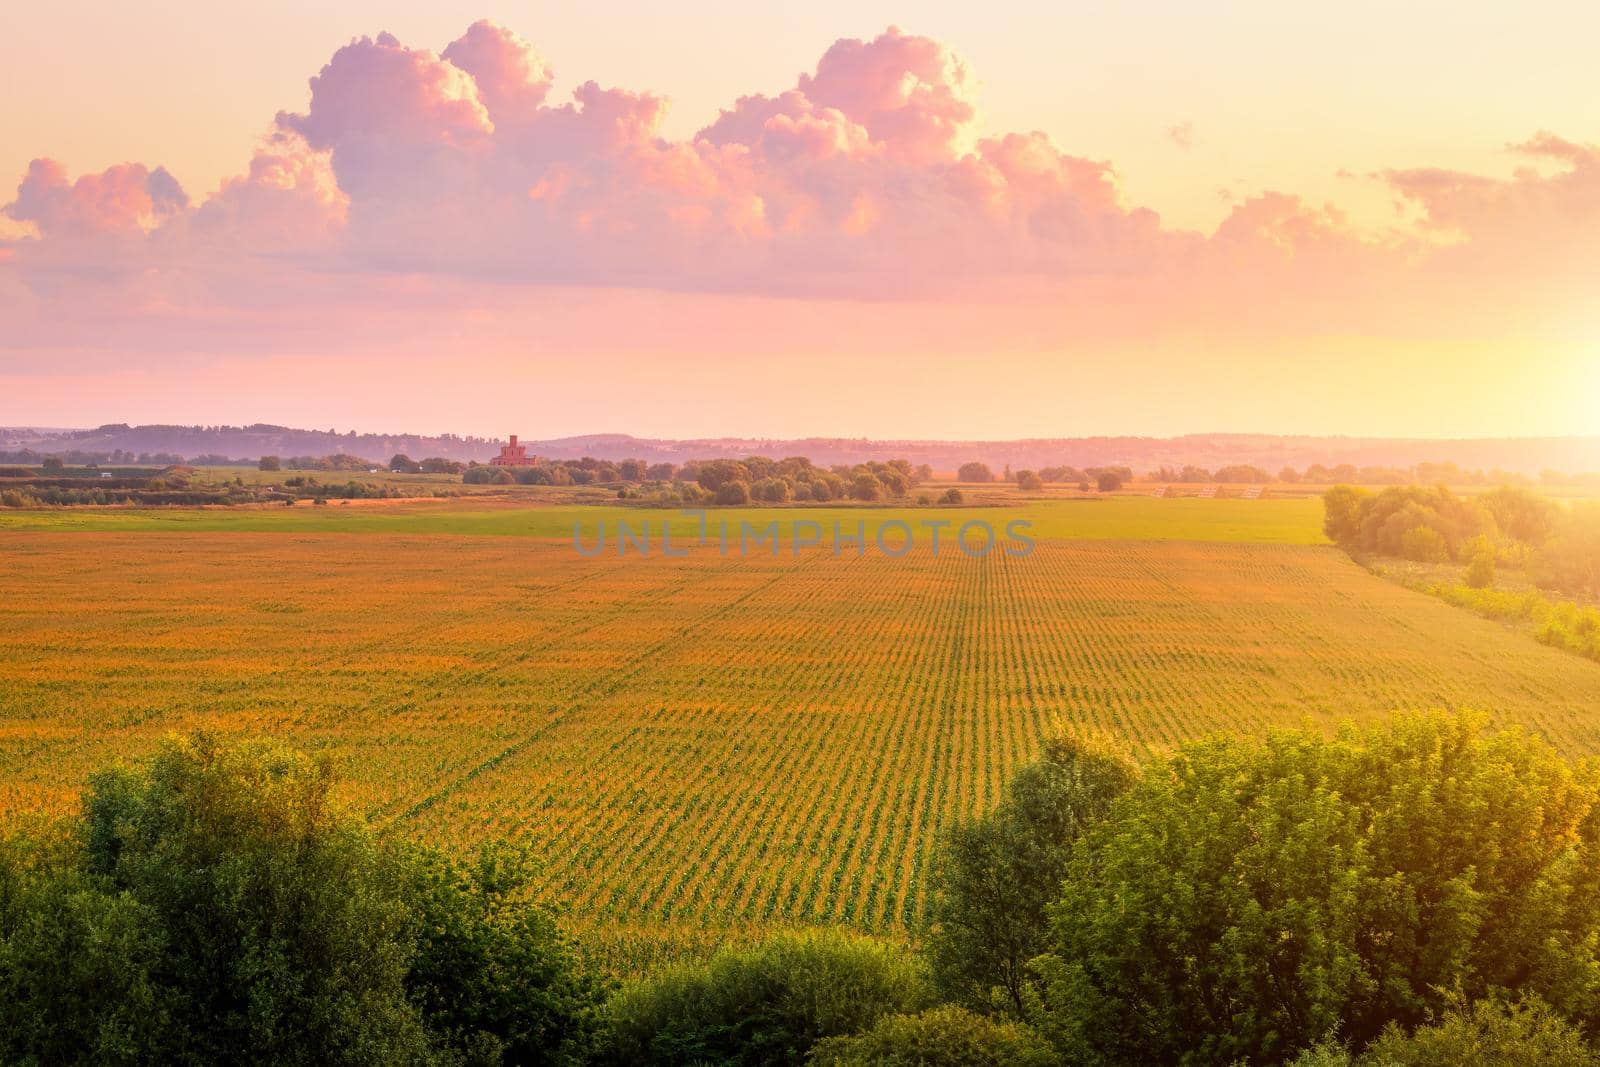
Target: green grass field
703 748
1140 518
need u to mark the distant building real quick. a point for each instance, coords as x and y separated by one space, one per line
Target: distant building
514 455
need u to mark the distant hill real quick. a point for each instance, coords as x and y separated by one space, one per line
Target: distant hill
1528 455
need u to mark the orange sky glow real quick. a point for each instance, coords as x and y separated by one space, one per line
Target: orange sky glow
942 220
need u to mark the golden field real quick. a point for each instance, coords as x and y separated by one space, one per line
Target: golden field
708 746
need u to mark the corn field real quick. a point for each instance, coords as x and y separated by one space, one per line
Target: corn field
704 748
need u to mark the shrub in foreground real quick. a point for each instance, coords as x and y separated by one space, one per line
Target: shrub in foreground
216 906
768 1004
947 1036
1489 1033
1248 898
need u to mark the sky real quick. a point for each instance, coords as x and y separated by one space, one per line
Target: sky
897 221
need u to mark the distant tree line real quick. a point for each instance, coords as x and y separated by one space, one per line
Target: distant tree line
1106 479
752 480
1350 474
177 486
1555 547
78 458
1420 892
1559 546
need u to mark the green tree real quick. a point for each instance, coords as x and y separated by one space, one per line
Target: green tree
216 906
494 978
78 967
269 463
1248 899
994 877
282 932
1029 480
1521 515
1342 507
1108 481
1570 561
713 474
773 490
950 496
768 1004
732 493
974 472
1424 544
866 487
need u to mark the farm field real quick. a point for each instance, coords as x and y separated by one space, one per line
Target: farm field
1132 517
704 747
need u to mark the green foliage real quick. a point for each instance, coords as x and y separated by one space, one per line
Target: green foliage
1424 544
1570 561
1388 522
1250 898
947 1036
216 906
773 491
732 493
1490 1033
282 936
77 967
1342 507
1029 480
763 1005
950 496
994 877
1480 571
1560 624
1521 515
974 472
1108 481
866 487
491 973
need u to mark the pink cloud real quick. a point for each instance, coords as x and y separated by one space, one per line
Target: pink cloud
870 177
124 199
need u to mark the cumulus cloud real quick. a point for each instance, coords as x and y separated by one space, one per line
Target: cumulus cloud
121 200
871 176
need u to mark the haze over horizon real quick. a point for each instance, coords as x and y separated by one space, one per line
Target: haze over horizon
1015 223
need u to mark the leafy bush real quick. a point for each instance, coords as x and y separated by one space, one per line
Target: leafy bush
1250 898
1424 544
866 486
215 905
763 1005
1480 572
974 472
732 493
1527 1035
946 1036
773 490
494 978
1341 507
